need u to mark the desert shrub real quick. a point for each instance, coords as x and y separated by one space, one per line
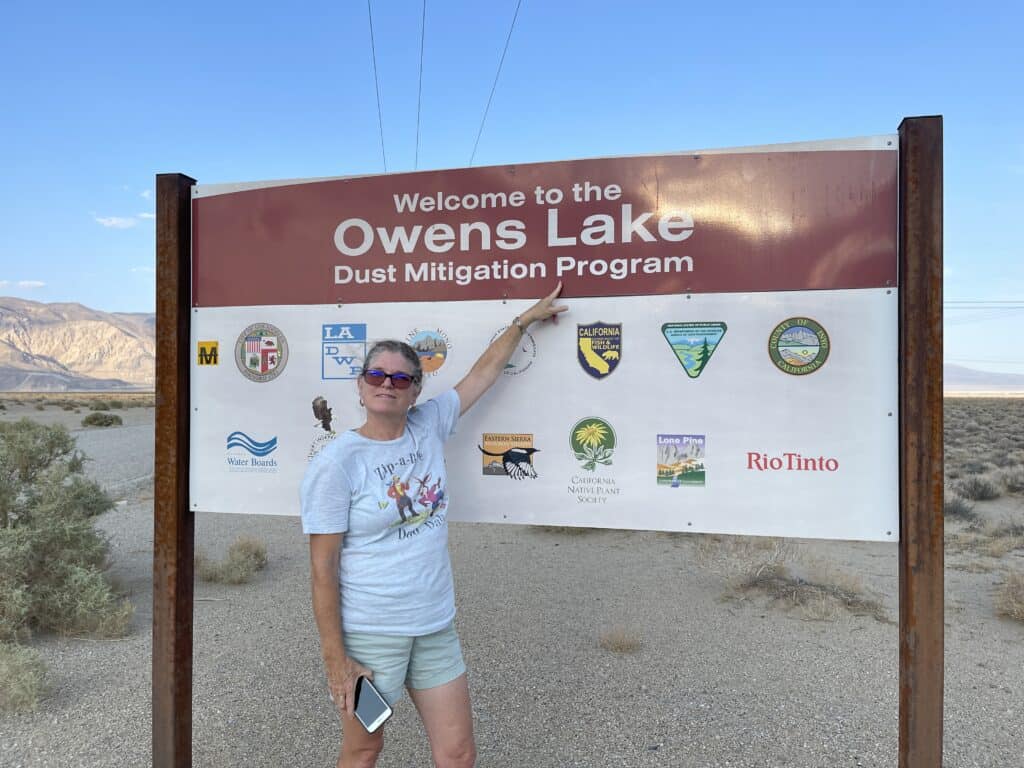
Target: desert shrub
958 507
52 559
99 405
1010 598
102 420
40 407
1013 479
22 675
68 407
975 467
3 407
620 640
978 488
817 598
117 404
245 557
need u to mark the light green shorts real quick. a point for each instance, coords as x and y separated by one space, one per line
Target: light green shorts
417 662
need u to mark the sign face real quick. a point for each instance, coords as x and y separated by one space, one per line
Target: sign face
728 363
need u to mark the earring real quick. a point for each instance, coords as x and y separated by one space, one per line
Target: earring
361 403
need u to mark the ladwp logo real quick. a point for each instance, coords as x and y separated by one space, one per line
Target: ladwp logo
247 455
344 348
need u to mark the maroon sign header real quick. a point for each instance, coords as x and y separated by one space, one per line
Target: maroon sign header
740 222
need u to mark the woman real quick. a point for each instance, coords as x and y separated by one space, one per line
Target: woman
374 505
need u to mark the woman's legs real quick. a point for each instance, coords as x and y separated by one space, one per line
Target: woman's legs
448 718
359 749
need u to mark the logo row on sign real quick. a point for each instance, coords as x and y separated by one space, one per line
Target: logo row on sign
680 458
797 346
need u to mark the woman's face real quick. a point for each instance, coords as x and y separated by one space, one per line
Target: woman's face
385 400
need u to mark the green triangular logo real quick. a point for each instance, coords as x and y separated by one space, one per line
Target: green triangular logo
694 344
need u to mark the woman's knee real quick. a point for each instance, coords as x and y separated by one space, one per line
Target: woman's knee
360 756
360 752
458 755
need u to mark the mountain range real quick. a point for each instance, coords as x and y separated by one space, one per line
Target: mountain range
69 347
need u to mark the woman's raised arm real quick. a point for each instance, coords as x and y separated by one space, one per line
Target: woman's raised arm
488 367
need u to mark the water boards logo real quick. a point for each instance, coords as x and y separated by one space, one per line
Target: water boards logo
261 352
432 346
599 348
798 346
207 353
693 343
592 441
508 454
524 355
681 460
244 454
343 348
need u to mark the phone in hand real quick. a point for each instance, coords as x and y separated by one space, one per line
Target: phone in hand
370 707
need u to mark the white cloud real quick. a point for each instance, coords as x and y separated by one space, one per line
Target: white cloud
147 215
4 283
116 222
146 193
31 284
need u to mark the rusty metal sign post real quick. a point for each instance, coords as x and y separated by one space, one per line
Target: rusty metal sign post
921 454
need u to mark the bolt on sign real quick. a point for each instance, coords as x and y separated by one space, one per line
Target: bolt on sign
728 363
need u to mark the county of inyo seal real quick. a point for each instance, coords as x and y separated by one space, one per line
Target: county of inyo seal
261 352
798 346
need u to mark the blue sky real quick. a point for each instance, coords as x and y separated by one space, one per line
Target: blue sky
99 97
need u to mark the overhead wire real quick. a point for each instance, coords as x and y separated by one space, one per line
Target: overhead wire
376 84
495 84
419 94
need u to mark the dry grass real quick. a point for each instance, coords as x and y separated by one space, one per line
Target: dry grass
245 557
819 597
1010 598
756 565
22 678
620 640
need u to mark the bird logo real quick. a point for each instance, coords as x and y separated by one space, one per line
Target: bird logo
517 462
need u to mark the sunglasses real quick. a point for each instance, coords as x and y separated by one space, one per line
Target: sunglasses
375 378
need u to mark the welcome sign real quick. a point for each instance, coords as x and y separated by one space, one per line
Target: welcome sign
728 363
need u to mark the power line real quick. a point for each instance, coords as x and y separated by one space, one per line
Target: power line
495 85
376 84
419 95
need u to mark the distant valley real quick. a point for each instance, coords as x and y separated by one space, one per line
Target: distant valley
71 348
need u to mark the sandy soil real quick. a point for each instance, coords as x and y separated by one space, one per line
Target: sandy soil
740 682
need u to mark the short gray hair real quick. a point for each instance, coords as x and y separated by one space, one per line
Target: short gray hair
391 345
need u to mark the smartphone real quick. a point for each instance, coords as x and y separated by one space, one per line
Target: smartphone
370 708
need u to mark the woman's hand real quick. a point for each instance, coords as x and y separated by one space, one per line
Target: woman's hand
544 309
341 679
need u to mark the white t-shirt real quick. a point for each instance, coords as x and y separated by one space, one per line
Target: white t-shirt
390 499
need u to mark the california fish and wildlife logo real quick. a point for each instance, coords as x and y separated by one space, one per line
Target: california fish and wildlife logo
681 460
798 346
432 346
343 350
694 343
593 442
599 348
245 453
524 355
261 352
505 453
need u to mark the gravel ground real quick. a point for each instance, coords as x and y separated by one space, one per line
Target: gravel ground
715 683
